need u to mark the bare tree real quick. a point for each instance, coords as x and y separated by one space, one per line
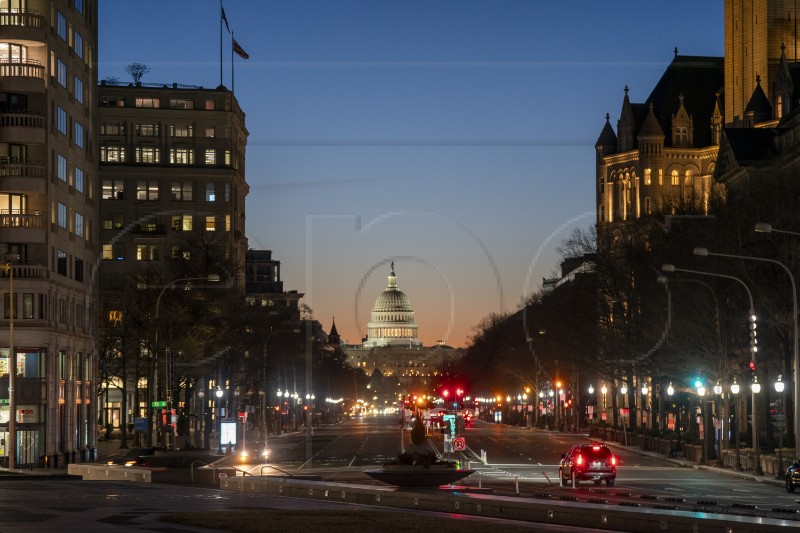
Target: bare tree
137 70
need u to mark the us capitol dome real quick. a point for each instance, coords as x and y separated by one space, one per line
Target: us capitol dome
392 321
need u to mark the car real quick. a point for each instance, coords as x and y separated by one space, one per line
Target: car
793 476
588 462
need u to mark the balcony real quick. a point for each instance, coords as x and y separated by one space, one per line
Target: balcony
28 25
26 272
23 127
22 226
150 229
22 175
26 76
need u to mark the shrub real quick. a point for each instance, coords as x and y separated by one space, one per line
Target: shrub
418 432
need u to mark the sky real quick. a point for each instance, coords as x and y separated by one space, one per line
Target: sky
454 138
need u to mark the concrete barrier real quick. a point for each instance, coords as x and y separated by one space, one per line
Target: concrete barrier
564 513
111 472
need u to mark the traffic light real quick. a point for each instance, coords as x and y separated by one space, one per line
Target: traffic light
753 341
752 366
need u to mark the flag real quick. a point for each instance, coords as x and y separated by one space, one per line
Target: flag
224 18
237 48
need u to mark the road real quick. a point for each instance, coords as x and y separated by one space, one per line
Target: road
525 462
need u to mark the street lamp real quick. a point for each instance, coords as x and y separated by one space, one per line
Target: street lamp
701 392
735 391
779 386
168 441
218 393
756 388
767 228
12 364
201 424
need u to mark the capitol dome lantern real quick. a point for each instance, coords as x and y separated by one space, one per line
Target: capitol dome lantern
392 322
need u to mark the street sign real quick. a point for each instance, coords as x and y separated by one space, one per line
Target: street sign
158 404
459 444
140 424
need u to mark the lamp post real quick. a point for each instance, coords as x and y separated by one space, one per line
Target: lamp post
218 393
701 392
168 441
779 386
645 391
766 228
756 388
735 391
719 433
676 429
12 365
752 317
200 426
604 391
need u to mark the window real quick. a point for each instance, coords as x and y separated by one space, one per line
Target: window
112 154
61 73
79 270
78 5
178 253
79 135
61 262
13 53
181 222
227 158
180 130
675 178
112 129
661 176
79 179
181 103
210 132
112 101
147 130
147 252
61 167
61 25
112 190
77 44
114 252
7 309
61 115
182 191
210 105
113 220
77 89
79 228
148 154
147 190
148 102
647 177
211 223
227 222
27 305
211 156
210 194
42 306
181 156
648 206
61 215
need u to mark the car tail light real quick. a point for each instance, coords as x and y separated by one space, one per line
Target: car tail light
579 460
596 447
613 461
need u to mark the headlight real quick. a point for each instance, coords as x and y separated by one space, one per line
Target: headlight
243 456
265 454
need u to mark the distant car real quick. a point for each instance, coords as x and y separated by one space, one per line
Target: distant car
255 454
133 457
588 462
793 476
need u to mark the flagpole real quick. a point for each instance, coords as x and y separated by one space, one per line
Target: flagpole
220 43
232 85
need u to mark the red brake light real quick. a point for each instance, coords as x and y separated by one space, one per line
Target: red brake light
596 447
579 460
613 461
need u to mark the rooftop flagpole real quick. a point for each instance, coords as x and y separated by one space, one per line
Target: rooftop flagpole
221 18
232 85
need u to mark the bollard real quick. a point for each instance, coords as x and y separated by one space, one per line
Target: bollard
516 485
480 479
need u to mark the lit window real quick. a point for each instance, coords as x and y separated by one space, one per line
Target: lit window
147 252
61 262
112 154
111 129
181 156
648 180
182 222
211 223
112 190
210 105
147 130
227 222
148 102
675 178
180 130
210 194
210 132
147 190
211 156
148 154
182 191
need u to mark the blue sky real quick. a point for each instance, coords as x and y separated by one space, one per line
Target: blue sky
453 137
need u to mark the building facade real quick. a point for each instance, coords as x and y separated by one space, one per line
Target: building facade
172 185
48 230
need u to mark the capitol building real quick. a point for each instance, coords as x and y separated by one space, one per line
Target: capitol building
391 354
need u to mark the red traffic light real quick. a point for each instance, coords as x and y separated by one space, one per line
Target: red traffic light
459 391
752 366
445 393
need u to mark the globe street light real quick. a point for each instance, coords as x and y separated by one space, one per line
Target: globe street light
735 391
766 228
718 435
218 393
